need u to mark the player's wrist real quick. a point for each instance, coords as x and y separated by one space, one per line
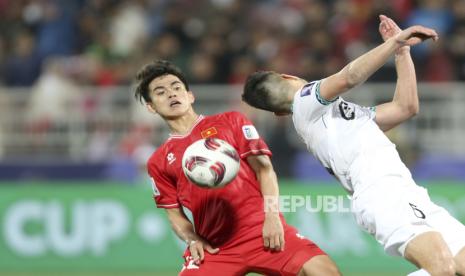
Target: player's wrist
271 214
271 204
191 240
405 50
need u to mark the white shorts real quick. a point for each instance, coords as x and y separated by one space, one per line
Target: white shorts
396 210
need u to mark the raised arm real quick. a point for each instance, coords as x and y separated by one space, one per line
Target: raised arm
404 104
363 67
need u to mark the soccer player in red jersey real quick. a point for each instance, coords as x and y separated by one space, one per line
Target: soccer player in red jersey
229 231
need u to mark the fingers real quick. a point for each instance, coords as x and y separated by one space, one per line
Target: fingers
392 25
277 243
415 35
389 23
425 31
385 32
382 17
266 241
272 230
274 242
211 250
382 26
196 249
201 253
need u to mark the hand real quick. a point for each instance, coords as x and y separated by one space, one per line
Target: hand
273 233
388 28
414 35
197 247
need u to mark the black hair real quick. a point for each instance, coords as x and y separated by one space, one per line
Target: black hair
154 70
256 93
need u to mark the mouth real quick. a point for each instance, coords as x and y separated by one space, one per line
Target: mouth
175 103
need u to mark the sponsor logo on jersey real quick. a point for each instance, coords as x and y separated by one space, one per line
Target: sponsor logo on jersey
170 157
417 212
156 192
209 132
250 133
347 111
307 89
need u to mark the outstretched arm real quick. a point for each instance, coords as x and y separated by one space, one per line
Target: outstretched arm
363 67
405 104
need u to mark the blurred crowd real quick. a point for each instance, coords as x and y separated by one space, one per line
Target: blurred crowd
62 50
104 42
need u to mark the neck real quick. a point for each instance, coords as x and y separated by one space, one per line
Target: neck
183 124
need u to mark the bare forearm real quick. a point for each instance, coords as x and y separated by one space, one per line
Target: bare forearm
406 93
185 232
405 102
181 225
273 232
261 164
359 70
270 191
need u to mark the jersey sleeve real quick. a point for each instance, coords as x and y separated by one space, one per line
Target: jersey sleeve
308 104
164 189
248 140
369 111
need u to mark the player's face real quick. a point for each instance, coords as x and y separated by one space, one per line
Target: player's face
169 97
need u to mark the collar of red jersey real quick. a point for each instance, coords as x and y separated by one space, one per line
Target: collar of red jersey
200 118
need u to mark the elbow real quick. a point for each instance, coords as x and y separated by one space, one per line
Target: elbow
409 108
414 109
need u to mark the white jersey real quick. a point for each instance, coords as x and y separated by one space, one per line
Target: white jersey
345 138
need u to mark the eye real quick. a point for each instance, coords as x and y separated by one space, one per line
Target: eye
159 92
177 88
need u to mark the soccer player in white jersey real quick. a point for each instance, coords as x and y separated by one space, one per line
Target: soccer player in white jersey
348 140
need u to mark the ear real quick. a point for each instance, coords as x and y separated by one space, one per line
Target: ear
151 108
289 77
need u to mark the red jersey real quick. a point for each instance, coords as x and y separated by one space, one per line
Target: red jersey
223 216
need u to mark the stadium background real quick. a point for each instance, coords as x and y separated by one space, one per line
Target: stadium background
74 198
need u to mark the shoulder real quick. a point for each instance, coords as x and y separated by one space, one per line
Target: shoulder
230 115
158 155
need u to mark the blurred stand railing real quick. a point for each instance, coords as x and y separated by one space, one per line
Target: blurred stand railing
59 121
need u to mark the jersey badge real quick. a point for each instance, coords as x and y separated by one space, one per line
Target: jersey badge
347 111
208 132
170 157
250 133
307 89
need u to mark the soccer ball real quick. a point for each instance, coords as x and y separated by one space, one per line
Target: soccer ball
210 163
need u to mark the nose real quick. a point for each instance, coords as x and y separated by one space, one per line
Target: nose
171 94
